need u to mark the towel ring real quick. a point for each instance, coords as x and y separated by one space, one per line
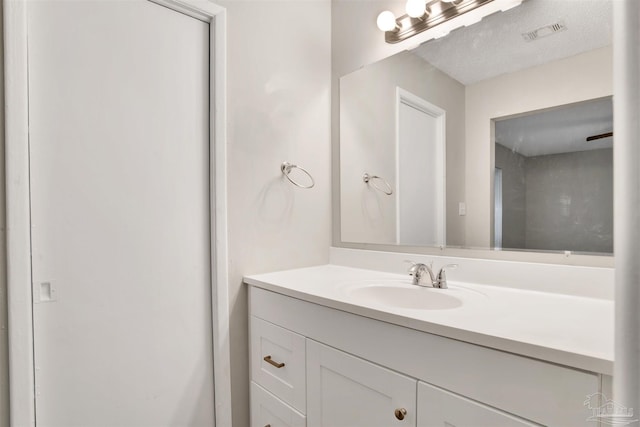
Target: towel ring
286 167
369 179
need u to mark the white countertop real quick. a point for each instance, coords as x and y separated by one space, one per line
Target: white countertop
570 330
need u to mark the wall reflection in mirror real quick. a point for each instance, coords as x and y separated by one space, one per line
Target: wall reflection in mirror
482 136
553 184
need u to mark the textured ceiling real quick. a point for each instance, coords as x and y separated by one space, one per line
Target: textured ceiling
496 46
558 130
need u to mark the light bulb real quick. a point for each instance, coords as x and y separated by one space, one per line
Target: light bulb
415 8
386 21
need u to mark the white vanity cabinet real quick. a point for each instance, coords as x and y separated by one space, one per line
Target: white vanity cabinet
345 369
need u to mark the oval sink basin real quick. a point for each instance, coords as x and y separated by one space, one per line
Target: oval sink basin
416 298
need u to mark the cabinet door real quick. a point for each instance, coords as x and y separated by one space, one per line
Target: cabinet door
440 408
345 391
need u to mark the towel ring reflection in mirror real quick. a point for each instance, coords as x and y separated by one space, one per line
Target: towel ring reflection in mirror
370 179
286 168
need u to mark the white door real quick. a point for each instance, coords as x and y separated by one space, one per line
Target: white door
345 391
119 146
420 171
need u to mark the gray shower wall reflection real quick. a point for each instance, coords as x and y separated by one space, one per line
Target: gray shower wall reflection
557 201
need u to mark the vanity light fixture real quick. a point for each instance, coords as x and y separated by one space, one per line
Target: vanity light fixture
423 15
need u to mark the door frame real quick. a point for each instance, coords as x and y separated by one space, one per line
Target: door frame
18 209
405 97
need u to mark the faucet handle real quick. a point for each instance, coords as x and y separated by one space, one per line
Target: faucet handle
441 279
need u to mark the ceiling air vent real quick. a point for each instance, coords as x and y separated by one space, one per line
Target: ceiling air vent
545 31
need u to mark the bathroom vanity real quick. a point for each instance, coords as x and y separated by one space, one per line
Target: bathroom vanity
340 346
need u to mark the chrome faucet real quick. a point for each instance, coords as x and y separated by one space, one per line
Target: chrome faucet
420 271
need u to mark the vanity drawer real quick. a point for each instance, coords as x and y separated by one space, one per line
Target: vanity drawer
278 362
268 410
440 408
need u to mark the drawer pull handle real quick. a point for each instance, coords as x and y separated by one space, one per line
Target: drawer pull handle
271 362
400 413
268 425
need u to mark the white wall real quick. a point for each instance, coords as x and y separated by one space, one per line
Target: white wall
577 78
626 105
4 345
279 62
368 144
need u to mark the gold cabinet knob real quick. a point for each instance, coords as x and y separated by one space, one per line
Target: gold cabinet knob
401 413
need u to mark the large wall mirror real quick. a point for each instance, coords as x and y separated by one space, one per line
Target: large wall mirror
498 135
